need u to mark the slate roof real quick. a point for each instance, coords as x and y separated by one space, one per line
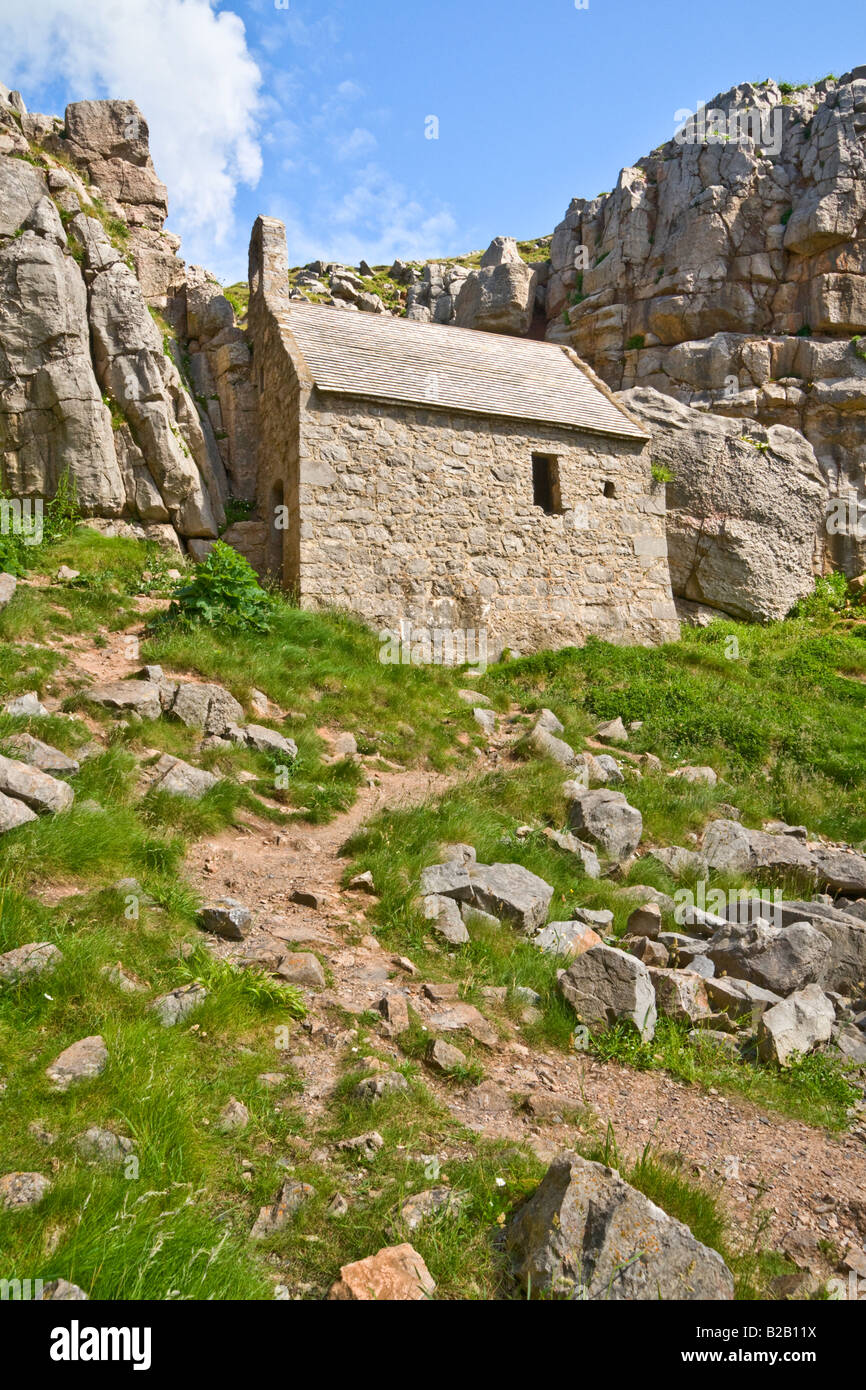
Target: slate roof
458 369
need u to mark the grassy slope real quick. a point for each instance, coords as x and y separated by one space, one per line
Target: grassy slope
181 1224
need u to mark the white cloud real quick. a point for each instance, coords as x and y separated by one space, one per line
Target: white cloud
359 142
189 70
375 218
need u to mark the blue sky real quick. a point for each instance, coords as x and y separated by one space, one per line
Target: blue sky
315 111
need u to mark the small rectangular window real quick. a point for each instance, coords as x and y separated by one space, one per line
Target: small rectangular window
545 484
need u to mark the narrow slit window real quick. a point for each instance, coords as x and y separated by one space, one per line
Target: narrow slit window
609 489
545 484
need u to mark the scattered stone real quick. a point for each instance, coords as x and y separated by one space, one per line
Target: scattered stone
32 751
104 1145
173 775
395 1011
547 745
395 1274
362 883
8 585
566 939
28 962
443 1057
126 981
572 845
290 1198
437 991
703 775
444 914
464 1018
680 862
645 921
587 1234
375 1087
781 959
269 741
27 705
435 1202
605 984
614 731
795 1026
233 1116
459 853
485 719
22 1190
606 818
227 918
301 968
365 1145
725 1042
81 1061
36 789
66 575
546 719
309 897
178 1004
61 1291
133 696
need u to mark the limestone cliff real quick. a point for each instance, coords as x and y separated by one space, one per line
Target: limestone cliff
728 269
118 365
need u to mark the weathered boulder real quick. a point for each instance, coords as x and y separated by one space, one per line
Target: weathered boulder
566 938
498 298
13 813
459 1017
781 959
133 696
796 1026
177 1004
680 994
28 962
227 918
604 985
173 775
22 1190
81 1061
28 749
547 745
606 818
739 998
745 509
444 913
38 790
585 1233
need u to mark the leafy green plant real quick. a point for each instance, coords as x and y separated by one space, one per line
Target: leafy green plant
637 340
858 350
661 474
830 596
224 592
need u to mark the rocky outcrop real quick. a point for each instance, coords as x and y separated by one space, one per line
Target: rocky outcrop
728 269
746 507
118 367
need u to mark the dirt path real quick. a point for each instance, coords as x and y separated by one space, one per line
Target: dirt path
811 1185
